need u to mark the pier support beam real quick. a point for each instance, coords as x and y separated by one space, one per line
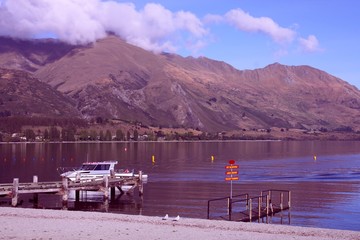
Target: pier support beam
15 192
106 186
77 195
112 193
141 186
65 189
250 210
35 195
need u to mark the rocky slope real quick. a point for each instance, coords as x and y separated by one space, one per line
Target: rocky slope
23 95
113 79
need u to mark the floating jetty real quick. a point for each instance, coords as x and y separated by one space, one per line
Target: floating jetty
247 209
106 184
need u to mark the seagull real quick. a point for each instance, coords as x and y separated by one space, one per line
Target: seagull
165 217
177 218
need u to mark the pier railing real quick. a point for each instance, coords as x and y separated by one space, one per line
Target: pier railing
247 209
227 202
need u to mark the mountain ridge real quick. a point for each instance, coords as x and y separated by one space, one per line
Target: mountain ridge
113 79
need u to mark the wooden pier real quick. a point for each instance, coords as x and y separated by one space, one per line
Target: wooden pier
107 185
247 209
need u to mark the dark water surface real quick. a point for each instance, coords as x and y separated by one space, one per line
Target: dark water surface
325 191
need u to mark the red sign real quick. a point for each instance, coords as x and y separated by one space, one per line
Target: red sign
232 166
231 161
231 178
231 172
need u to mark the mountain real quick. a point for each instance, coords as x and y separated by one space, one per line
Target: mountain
23 95
113 79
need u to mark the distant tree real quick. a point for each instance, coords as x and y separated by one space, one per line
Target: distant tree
64 134
120 135
30 135
1 137
136 135
101 135
151 136
108 136
170 136
46 134
93 135
84 135
54 134
128 136
68 134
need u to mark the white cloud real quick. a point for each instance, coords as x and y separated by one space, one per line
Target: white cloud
153 27
82 21
245 22
310 44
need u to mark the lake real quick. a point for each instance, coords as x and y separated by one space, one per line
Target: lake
185 175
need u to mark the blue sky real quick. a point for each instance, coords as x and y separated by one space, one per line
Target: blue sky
334 23
247 34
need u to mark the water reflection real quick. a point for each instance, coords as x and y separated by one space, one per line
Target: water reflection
184 176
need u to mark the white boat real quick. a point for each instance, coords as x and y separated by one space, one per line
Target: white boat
97 170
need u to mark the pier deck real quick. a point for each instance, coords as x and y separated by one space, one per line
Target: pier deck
106 185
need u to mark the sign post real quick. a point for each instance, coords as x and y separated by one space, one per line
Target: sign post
231 174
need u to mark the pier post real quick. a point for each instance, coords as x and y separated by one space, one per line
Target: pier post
35 179
250 209
106 186
15 192
141 187
112 193
259 208
65 189
230 208
289 199
36 195
247 201
77 195
281 201
267 205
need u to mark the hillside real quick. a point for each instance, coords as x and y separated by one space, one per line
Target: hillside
23 95
113 79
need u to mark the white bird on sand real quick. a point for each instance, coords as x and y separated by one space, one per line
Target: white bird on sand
165 217
177 218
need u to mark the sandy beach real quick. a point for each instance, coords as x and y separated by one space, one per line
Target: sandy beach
20 223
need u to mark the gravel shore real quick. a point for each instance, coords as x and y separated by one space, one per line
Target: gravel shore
20 223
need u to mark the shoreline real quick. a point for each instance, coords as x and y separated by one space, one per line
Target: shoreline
23 223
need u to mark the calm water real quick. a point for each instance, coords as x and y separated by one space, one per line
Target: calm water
325 192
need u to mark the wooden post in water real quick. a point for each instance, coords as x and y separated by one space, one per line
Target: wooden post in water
267 205
230 208
112 193
289 199
141 186
35 179
250 209
77 195
36 195
112 189
65 189
15 192
106 186
281 201
259 208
